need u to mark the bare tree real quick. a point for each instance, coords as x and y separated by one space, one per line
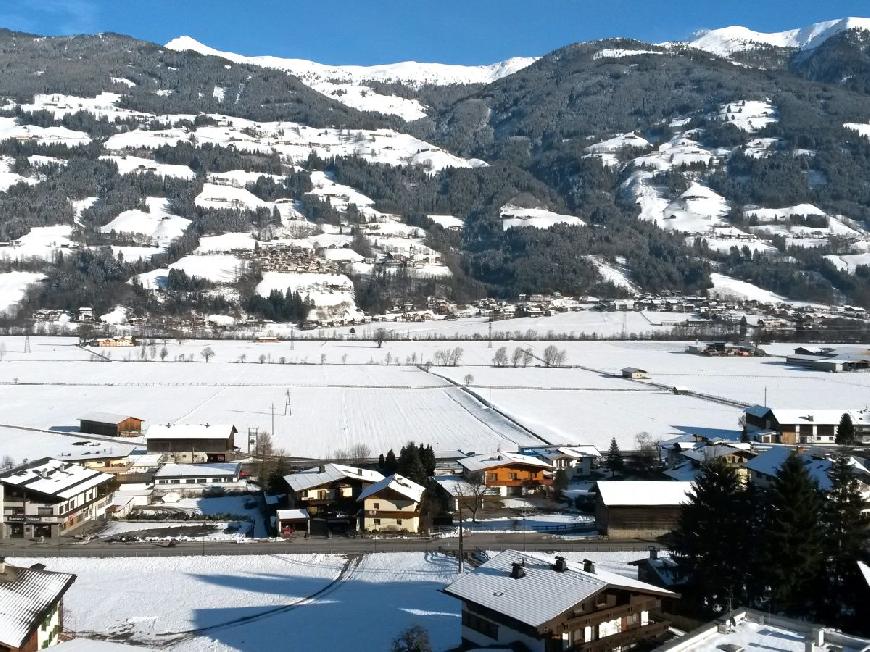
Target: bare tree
517 356
500 359
380 336
468 379
527 357
163 353
207 353
359 453
455 356
7 462
469 493
553 357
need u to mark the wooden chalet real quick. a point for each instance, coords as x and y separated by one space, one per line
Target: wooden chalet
110 425
330 490
545 604
511 474
192 443
31 611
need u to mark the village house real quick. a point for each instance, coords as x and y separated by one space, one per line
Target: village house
31 609
630 509
192 443
633 373
764 468
798 426
330 489
112 342
391 505
576 461
544 604
690 460
197 477
47 498
659 570
110 425
511 474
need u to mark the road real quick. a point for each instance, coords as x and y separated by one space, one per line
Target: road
336 545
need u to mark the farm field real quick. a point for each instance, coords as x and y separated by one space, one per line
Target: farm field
363 393
195 603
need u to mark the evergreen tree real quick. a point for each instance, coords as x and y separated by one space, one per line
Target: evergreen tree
844 540
846 431
410 465
613 460
427 458
381 462
391 465
711 543
793 541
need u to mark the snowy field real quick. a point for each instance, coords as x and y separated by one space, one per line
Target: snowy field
194 604
330 395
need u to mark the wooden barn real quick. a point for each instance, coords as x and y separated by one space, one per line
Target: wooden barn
111 425
184 443
628 509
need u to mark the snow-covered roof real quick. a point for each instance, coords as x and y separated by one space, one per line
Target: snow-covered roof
190 431
291 514
397 483
215 469
317 476
106 417
543 593
495 460
769 462
715 451
25 595
810 417
644 492
54 478
145 459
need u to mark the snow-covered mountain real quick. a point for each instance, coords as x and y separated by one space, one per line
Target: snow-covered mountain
348 84
727 41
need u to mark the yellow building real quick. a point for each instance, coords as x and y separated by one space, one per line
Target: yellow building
391 505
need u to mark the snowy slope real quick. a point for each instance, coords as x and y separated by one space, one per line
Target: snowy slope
730 40
347 84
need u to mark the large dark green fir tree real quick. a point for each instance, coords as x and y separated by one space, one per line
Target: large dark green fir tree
613 459
845 537
846 431
794 541
711 543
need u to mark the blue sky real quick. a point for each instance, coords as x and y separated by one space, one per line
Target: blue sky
383 31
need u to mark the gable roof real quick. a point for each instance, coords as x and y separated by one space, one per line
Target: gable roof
106 417
801 416
55 478
703 454
398 483
25 595
213 469
770 461
495 460
644 492
543 594
314 477
190 431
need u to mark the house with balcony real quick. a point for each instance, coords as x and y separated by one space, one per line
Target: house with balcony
544 604
801 426
510 474
576 461
47 498
391 505
330 490
185 443
31 611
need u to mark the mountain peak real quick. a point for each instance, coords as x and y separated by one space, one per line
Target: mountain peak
727 41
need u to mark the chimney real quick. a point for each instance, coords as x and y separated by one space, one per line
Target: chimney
653 552
517 570
560 566
588 566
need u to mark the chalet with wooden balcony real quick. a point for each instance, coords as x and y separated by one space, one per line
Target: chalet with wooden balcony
31 611
391 505
797 426
544 604
511 474
184 443
47 498
330 489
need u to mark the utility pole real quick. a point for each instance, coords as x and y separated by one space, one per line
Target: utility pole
273 422
461 552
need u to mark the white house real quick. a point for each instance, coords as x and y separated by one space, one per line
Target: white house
393 504
47 498
197 477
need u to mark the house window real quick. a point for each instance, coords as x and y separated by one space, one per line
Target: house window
398 521
481 625
377 521
514 476
492 477
376 505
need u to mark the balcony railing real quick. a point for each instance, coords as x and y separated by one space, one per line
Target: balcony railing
625 637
